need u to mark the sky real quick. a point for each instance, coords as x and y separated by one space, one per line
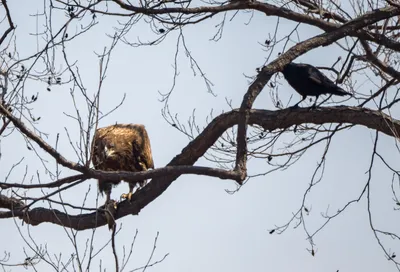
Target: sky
200 226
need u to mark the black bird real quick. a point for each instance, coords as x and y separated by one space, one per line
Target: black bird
309 81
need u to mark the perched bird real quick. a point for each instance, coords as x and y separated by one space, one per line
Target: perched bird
309 81
121 147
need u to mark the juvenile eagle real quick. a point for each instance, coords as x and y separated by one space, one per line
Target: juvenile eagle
121 147
309 81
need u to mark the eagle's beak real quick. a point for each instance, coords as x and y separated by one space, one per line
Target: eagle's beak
109 152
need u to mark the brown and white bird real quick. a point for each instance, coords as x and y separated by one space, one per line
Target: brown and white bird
121 147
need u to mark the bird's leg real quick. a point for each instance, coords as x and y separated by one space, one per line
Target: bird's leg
129 195
315 103
142 183
107 191
132 185
144 167
297 104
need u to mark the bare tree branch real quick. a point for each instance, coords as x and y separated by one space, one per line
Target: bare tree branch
10 22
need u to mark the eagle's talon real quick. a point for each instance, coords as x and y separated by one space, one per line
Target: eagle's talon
127 196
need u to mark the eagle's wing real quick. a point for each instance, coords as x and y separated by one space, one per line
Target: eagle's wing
95 152
98 138
142 149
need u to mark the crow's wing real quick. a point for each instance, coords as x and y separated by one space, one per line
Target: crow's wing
318 77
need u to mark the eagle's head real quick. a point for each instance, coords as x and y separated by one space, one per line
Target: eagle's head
109 150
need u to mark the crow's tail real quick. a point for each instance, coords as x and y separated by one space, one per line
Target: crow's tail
339 91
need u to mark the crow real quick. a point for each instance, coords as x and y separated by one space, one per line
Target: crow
309 81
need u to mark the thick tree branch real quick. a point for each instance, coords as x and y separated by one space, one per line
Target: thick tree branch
269 120
10 203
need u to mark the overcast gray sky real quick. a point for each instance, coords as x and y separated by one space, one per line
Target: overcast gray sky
201 226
